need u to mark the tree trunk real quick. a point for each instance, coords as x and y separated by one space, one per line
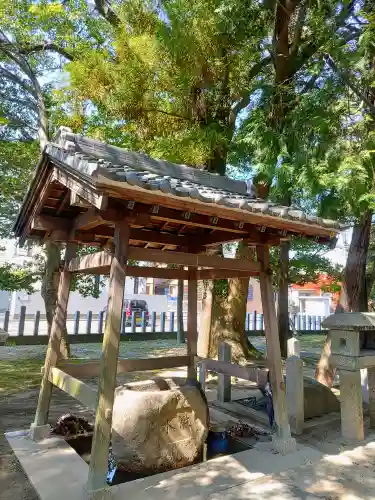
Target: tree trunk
180 309
224 314
353 296
283 298
49 292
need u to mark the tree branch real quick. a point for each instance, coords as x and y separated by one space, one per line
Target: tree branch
45 47
154 110
17 80
346 78
105 10
244 99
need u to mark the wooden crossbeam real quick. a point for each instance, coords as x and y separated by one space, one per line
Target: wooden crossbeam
185 259
87 220
48 223
252 373
74 387
92 368
100 260
217 274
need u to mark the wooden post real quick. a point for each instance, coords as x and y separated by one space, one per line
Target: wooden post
39 428
108 365
21 324
133 322
162 322
36 323
6 321
283 442
224 389
76 322
144 321
171 321
192 326
153 321
100 322
88 322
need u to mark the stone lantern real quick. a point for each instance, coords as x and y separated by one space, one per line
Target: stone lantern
352 350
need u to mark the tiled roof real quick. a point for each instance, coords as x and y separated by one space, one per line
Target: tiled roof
95 159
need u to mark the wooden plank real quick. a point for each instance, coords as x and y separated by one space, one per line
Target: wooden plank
77 201
87 220
273 345
192 322
211 274
83 189
111 343
48 223
74 387
92 368
156 272
185 259
91 263
158 237
59 319
103 259
252 373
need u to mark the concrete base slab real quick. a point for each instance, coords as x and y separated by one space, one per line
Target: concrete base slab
57 472
39 432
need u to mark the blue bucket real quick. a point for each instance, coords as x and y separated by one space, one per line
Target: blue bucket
217 441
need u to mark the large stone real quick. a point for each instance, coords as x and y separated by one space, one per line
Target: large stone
319 399
158 425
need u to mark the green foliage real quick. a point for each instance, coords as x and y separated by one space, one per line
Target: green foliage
16 278
17 161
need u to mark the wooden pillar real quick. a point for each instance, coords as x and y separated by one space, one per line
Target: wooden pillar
39 428
108 364
283 441
192 321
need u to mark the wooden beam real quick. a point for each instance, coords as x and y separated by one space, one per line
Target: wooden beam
48 223
100 260
252 373
186 259
74 387
58 322
156 272
87 220
218 274
111 343
157 237
192 323
273 346
92 368
83 189
91 263
78 201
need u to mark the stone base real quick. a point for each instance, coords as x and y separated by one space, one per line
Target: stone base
284 446
102 494
39 432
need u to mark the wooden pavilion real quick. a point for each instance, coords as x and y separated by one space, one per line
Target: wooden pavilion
131 206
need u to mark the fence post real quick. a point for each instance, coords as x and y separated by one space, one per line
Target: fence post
255 326
304 322
314 323
247 322
133 322
100 321
153 321
261 322
36 323
171 321
88 322
309 322
224 383
21 324
162 322
123 322
298 322
143 321
6 321
77 316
